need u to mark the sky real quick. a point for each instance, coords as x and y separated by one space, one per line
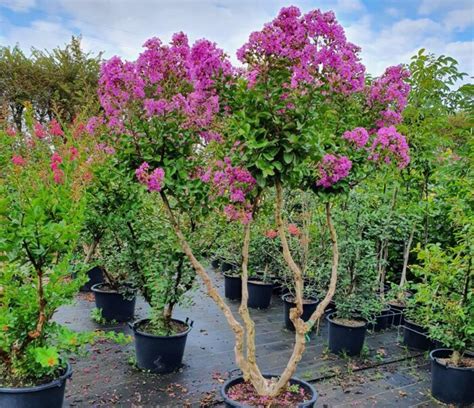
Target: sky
388 31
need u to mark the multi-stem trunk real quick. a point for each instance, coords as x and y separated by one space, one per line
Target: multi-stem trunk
247 361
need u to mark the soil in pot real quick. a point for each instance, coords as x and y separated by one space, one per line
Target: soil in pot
232 287
160 353
346 335
449 384
237 393
260 294
95 275
113 305
382 321
415 337
46 395
309 306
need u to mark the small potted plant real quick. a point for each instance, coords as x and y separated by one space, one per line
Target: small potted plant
42 182
113 203
226 248
165 276
447 292
416 321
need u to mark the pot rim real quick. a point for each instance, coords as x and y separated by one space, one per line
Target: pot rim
230 381
95 288
261 283
174 336
433 359
58 382
313 299
227 275
329 318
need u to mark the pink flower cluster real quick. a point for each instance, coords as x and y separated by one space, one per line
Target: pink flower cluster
272 234
164 80
153 180
39 130
389 95
18 160
55 128
313 46
58 174
388 146
234 183
332 169
359 137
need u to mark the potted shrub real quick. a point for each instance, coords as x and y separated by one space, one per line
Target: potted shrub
448 307
42 181
113 203
165 277
174 116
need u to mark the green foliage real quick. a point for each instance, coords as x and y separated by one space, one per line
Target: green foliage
61 83
40 222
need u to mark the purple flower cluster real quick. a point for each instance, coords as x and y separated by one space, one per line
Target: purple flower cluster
389 146
164 80
359 137
332 169
313 46
389 95
153 180
233 183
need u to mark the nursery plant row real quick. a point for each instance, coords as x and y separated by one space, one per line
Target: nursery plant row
350 196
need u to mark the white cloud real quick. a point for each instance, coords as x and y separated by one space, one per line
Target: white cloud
39 34
459 19
18 5
122 27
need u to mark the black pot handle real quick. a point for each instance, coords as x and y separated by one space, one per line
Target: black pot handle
189 322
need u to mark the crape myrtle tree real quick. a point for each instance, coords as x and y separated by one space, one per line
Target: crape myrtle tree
289 120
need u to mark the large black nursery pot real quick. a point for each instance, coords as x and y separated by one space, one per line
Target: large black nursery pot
382 321
345 339
309 306
397 314
415 337
49 395
260 294
451 385
159 354
237 380
95 276
114 305
232 287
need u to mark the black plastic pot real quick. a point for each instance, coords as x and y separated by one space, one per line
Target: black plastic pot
113 305
159 354
232 287
308 308
347 339
227 267
215 263
397 315
50 395
95 276
451 385
415 337
260 294
237 380
382 321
